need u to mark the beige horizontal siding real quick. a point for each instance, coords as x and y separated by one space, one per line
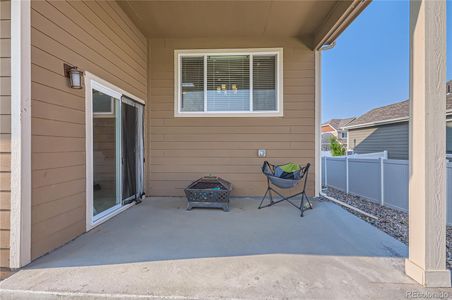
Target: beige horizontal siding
184 149
5 135
96 37
5 48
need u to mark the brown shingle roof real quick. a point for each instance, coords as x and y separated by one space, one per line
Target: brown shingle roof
384 113
390 112
339 123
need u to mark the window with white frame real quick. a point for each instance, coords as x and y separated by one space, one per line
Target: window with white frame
228 82
104 106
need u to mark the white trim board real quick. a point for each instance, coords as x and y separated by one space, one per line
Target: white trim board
89 152
20 223
111 87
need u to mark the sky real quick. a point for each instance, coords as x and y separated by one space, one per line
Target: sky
369 66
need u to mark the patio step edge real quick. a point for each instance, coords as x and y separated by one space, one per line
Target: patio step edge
11 294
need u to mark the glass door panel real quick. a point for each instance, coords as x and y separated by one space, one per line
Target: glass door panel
129 151
132 151
106 156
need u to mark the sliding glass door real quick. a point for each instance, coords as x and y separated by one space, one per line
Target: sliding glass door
114 164
106 154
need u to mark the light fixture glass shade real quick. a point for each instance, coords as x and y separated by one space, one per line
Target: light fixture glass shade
76 78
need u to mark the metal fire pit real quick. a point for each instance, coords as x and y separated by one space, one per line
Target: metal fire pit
209 192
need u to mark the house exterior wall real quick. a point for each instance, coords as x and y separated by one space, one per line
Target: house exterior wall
5 134
391 137
185 148
328 128
97 37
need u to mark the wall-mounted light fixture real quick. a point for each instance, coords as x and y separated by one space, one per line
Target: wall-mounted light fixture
74 75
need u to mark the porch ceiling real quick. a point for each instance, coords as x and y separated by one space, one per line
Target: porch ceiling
222 19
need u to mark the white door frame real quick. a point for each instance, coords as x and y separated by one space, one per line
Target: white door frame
92 81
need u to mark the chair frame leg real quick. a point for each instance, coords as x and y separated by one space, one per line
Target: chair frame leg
302 209
284 198
263 198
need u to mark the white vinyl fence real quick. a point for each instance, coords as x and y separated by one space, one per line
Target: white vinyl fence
383 181
382 154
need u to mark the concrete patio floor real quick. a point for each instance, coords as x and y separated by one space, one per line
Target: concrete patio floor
159 250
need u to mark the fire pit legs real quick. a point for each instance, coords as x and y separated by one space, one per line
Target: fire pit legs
224 206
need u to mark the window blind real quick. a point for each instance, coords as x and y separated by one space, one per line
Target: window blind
228 83
192 86
264 82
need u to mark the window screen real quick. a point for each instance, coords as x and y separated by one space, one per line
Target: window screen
228 83
192 84
264 82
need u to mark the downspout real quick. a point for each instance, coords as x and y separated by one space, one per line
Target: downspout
317 125
327 47
318 117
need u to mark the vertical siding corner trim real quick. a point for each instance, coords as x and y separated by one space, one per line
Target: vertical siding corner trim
20 238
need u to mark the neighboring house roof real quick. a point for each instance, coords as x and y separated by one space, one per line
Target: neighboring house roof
396 112
392 113
338 123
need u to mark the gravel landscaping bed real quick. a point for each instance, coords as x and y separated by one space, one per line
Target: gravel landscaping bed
393 222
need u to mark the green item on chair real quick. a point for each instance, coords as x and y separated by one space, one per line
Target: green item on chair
290 167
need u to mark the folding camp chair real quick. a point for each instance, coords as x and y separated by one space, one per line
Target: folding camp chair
285 180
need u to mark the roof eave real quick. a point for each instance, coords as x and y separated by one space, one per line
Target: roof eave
376 123
384 122
337 21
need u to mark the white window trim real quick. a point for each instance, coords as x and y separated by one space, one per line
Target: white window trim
106 114
205 52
